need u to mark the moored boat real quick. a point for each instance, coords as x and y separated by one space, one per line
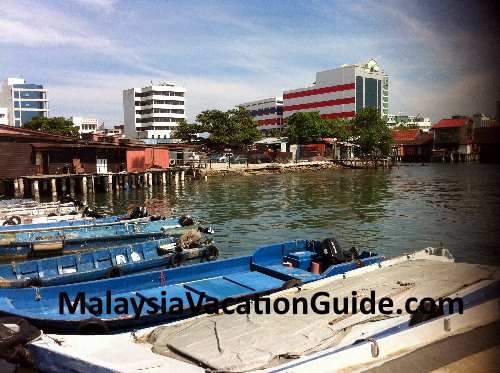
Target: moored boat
105 263
269 269
367 343
63 241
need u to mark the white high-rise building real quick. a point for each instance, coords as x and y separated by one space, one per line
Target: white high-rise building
152 112
87 125
23 101
3 116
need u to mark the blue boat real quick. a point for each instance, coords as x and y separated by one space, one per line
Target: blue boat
161 296
63 223
68 240
106 263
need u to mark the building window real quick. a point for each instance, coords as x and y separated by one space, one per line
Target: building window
371 93
359 93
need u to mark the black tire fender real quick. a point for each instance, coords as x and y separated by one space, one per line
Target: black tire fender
176 259
12 220
211 252
114 272
34 282
93 326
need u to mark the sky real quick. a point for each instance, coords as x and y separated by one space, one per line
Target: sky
441 57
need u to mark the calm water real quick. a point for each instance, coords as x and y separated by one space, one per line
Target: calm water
390 211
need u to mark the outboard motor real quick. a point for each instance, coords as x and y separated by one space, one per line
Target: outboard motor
206 230
331 250
91 213
138 212
186 220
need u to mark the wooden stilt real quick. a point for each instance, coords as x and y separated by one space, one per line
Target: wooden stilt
34 190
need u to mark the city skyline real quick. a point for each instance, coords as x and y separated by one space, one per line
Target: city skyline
440 57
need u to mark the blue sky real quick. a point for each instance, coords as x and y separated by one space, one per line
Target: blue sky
441 56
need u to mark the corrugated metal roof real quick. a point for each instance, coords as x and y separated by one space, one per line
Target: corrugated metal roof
451 123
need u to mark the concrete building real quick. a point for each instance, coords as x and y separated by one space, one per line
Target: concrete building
341 92
87 125
23 101
152 112
268 112
3 116
482 121
400 119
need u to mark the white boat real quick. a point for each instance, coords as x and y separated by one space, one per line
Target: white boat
41 213
296 342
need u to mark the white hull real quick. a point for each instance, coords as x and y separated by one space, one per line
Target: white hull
120 353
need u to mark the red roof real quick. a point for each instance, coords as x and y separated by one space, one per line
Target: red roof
405 135
451 123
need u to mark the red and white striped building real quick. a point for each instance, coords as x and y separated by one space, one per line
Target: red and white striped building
268 112
341 92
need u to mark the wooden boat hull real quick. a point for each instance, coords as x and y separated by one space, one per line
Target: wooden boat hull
115 261
57 242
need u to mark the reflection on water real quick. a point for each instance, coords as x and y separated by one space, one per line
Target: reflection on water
390 211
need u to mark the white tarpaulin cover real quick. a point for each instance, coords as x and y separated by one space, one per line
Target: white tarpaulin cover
243 342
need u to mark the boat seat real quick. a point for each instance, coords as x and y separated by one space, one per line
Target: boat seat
102 260
218 288
85 262
173 291
257 281
287 273
27 268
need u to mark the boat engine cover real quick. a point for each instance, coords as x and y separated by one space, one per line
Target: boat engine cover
331 249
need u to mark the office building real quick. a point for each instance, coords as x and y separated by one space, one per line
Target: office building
341 92
23 101
152 112
268 113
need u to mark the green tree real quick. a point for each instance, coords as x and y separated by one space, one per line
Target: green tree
371 133
56 125
305 128
336 128
233 128
186 131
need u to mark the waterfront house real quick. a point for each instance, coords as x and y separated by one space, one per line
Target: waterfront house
412 145
453 139
487 140
27 153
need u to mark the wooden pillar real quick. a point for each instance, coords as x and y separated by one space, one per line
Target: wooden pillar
16 188
182 175
164 178
110 183
84 185
63 185
72 185
132 181
54 188
126 181
149 178
176 177
21 187
35 192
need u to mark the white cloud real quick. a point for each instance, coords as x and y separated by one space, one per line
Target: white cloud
50 27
